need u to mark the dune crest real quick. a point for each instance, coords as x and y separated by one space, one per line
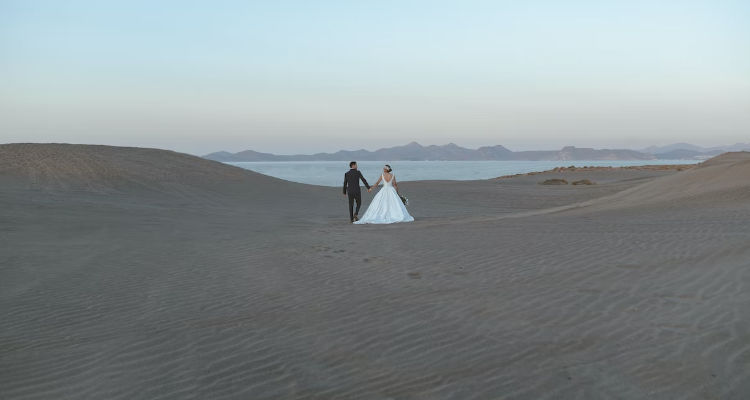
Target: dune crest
720 180
97 168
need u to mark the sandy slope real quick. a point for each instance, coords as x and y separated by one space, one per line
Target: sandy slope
724 179
138 273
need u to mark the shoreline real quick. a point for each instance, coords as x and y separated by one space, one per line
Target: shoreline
647 167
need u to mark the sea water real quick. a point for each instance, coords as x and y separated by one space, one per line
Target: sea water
331 173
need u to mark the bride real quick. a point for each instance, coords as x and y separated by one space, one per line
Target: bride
386 207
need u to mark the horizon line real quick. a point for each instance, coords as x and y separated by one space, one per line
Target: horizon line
640 149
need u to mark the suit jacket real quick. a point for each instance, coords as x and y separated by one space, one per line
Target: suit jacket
351 181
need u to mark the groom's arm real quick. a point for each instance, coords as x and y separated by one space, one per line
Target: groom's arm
344 183
367 185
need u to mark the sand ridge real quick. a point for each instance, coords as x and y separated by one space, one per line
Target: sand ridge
64 165
724 179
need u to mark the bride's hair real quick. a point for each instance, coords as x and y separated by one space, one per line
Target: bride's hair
389 167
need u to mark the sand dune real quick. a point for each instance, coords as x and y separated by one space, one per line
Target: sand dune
714 183
139 273
106 168
58 174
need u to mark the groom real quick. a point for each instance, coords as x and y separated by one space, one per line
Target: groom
351 187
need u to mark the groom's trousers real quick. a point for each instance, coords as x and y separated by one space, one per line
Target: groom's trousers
352 198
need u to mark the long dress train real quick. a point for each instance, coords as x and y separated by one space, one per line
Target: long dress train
386 207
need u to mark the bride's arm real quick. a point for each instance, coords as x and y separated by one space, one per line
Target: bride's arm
395 184
369 189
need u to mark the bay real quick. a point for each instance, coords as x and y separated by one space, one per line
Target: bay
331 173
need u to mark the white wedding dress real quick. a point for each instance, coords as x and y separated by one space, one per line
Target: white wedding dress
386 207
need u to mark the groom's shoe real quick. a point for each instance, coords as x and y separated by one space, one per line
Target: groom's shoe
356 217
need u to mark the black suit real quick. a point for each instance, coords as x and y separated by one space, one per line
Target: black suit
351 187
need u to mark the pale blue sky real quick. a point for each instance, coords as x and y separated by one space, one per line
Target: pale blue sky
307 76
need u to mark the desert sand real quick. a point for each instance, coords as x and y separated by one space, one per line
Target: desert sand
129 273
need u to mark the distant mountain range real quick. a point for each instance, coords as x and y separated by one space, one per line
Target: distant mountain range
687 151
452 152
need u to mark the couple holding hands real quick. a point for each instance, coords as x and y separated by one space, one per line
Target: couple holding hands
387 206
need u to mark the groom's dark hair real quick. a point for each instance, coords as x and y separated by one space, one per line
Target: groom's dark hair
353 163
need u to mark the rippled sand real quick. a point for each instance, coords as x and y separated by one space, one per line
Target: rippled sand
132 273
